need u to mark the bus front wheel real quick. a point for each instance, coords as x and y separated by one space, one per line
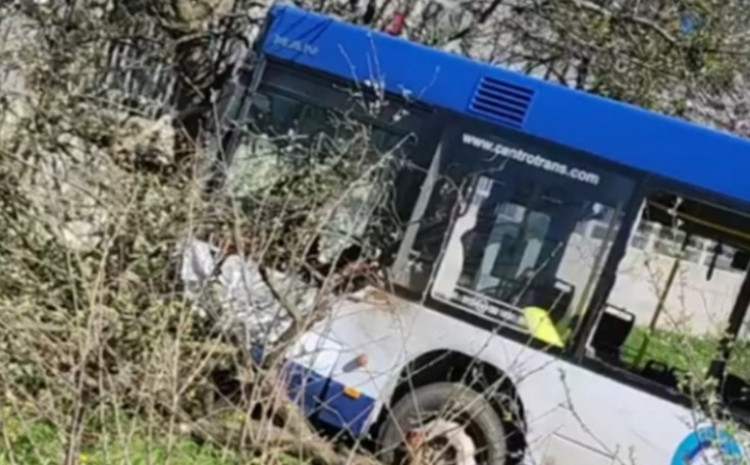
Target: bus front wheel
443 424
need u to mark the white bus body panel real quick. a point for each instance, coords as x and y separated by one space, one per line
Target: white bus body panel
574 416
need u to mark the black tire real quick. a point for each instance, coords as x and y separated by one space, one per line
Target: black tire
483 425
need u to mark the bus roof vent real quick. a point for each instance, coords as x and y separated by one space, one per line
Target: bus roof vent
502 101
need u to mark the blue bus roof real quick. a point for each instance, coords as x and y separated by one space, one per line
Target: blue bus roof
612 130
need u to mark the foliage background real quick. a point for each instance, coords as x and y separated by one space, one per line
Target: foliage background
102 359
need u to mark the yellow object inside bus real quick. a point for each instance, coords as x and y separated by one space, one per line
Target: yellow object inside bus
542 327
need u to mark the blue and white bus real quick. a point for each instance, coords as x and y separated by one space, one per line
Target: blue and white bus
553 243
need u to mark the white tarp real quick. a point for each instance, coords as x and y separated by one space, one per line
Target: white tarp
233 291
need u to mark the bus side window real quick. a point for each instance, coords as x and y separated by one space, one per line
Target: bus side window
675 288
517 252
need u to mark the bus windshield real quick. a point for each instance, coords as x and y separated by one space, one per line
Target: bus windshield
289 144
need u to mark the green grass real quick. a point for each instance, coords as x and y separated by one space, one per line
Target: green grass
144 452
36 444
685 352
40 444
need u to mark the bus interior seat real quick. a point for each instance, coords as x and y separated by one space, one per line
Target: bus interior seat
613 330
736 391
661 373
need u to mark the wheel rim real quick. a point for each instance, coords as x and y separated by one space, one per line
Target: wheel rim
442 442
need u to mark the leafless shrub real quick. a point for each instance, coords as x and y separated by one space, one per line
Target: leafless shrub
99 190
